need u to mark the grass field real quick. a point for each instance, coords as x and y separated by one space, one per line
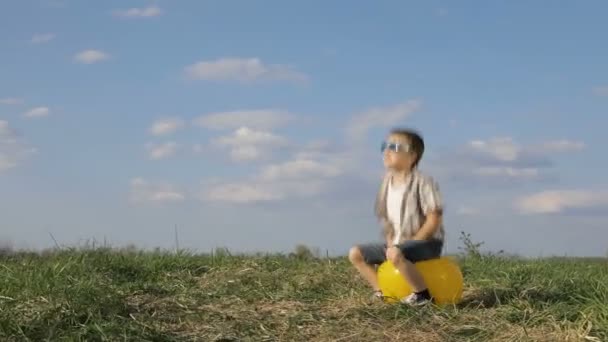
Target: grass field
114 295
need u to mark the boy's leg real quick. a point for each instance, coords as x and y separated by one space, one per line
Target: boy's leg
407 254
364 258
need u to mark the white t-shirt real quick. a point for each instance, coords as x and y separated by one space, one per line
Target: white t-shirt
394 199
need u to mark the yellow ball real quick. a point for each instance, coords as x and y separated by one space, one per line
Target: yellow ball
441 275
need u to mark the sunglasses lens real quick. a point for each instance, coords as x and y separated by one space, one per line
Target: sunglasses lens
392 147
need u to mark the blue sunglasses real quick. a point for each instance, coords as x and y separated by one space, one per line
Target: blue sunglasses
395 147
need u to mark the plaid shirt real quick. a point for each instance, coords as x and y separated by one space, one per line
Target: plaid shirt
421 196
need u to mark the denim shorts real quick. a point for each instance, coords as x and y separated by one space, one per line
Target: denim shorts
412 250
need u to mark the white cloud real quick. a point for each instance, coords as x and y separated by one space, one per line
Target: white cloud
12 149
335 157
263 119
246 153
502 160
91 56
166 126
42 38
247 136
502 157
245 70
145 12
557 201
503 149
380 117
162 151
144 191
241 193
300 169
309 174
601 91
11 101
315 169
559 146
506 150
258 191
37 112
511 172
247 144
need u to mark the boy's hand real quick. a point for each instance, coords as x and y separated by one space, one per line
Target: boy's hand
389 241
389 245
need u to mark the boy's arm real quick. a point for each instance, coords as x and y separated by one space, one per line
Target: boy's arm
432 208
388 232
429 227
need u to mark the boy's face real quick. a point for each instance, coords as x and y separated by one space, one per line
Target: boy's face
398 154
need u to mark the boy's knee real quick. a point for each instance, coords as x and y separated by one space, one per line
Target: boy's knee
395 255
354 255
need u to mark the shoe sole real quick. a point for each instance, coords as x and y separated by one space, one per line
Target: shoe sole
422 303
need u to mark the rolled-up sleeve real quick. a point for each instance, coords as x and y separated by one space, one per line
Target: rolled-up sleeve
430 196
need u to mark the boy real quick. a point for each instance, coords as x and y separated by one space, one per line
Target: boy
410 209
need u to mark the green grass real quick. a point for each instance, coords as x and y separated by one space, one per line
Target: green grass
116 295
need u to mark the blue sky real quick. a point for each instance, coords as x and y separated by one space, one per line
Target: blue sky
257 125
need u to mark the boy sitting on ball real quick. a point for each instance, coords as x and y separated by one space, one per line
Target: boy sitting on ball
410 209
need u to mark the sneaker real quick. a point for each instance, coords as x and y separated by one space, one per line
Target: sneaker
416 299
378 295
